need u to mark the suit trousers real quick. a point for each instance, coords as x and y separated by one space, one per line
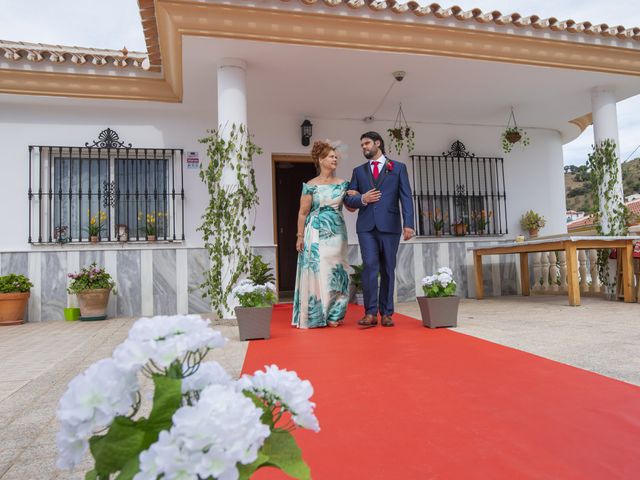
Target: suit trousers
379 250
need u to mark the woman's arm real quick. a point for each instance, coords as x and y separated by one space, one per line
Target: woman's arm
305 207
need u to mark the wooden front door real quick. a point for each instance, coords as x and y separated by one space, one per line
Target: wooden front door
290 172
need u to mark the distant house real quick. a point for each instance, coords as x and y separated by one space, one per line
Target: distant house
85 129
573 215
586 223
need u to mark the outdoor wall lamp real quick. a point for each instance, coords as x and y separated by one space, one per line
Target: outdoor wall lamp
306 128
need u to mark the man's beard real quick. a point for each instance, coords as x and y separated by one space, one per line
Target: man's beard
370 154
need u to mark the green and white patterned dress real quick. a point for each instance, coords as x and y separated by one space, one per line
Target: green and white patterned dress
322 281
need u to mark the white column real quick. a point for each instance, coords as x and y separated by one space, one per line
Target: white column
232 110
232 93
605 126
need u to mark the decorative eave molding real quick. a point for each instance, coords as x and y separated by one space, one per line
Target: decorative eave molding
583 122
176 18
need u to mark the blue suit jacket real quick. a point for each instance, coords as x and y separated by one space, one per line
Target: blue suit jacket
396 194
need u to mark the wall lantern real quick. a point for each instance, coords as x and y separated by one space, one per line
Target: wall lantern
306 128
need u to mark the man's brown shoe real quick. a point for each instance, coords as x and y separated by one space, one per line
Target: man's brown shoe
368 321
387 321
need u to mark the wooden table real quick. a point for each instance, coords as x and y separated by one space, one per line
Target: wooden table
570 245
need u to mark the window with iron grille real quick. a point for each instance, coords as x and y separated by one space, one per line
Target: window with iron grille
104 189
459 188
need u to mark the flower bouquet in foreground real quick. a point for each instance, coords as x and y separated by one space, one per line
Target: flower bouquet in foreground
439 306
202 424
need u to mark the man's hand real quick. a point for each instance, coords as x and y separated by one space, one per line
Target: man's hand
372 196
407 233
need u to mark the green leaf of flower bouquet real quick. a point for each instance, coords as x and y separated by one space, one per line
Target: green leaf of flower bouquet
130 469
111 452
91 475
284 453
167 397
246 471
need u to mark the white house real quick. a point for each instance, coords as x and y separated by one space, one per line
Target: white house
273 64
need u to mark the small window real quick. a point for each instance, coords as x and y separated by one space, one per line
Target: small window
103 190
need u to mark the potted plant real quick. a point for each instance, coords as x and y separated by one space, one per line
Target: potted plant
96 225
401 133
513 134
92 285
459 228
14 295
438 220
153 223
356 281
256 295
481 220
532 222
439 306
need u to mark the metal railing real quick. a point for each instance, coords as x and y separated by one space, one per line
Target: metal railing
107 188
464 193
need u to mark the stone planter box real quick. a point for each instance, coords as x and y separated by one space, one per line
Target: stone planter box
12 307
254 322
439 311
93 304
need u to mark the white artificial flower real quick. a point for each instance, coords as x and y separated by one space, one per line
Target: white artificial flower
428 280
444 279
292 392
91 402
164 339
208 439
208 373
446 270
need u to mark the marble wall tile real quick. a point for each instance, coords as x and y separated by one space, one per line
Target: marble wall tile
353 255
128 283
87 257
457 263
431 258
53 293
405 274
17 263
197 264
508 275
164 282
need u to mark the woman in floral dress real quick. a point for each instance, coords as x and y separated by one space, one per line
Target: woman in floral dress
322 281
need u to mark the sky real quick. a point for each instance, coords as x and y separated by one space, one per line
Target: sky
116 23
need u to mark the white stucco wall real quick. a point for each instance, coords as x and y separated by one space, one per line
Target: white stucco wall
533 176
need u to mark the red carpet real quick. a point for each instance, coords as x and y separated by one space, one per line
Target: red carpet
414 403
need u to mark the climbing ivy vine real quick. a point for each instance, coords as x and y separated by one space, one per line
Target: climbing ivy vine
231 183
610 212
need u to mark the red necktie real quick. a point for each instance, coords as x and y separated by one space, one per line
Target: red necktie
376 171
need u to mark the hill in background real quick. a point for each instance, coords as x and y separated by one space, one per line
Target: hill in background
578 187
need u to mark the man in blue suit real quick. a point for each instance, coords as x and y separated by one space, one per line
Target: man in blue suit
379 225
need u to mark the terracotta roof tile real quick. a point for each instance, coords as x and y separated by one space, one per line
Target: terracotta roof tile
41 52
495 16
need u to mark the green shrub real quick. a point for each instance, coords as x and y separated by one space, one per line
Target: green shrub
13 283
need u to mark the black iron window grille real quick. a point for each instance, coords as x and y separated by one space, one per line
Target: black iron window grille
104 189
459 192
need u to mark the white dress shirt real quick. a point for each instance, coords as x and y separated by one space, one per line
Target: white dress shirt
382 161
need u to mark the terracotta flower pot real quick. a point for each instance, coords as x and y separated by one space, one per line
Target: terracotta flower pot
93 238
459 229
93 303
12 307
151 238
533 232
439 311
254 322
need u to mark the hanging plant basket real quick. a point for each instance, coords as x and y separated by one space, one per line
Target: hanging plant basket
401 135
513 134
513 137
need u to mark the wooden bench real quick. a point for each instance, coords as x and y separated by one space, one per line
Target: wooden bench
570 245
